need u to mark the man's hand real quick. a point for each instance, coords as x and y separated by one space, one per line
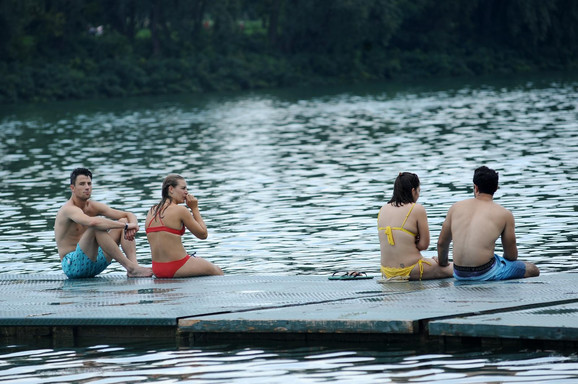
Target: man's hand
130 233
437 260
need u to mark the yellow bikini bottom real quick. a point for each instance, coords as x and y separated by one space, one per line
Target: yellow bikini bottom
403 273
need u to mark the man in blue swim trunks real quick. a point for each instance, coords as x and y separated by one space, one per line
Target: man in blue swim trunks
474 225
88 233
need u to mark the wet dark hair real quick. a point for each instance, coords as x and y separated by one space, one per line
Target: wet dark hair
486 179
171 180
402 187
79 171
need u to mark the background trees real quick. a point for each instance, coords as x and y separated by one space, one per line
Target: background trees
57 49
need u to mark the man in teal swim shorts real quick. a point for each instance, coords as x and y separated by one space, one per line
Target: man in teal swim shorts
88 233
474 225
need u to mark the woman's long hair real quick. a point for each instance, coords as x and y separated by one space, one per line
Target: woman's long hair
402 187
170 181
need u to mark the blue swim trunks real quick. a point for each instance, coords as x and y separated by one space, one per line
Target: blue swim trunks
497 268
77 265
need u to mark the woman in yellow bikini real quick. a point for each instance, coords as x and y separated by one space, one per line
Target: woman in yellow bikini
404 233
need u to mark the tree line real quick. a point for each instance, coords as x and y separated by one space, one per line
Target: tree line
63 49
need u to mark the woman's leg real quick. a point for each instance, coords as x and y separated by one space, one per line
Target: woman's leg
431 271
197 266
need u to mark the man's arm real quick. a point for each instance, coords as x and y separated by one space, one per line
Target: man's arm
102 223
444 240
116 214
509 238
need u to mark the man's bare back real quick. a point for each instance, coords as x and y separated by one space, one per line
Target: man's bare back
476 224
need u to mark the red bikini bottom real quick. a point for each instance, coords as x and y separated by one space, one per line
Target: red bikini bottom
168 269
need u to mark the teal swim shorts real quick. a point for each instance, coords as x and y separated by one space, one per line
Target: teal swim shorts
77 265
497 268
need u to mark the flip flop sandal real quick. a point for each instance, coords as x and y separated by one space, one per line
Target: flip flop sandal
354 275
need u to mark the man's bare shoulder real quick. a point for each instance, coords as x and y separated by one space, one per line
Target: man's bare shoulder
96 208
70 210
462 204
66 209
503 210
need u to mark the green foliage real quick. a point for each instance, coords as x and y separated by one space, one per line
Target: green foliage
51 49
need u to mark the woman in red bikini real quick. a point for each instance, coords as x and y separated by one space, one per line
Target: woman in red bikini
166 223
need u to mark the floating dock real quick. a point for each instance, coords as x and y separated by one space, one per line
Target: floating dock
296 308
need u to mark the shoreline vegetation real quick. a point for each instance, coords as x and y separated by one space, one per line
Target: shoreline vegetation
89 49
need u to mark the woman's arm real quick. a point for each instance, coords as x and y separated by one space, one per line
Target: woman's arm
194 223
423 238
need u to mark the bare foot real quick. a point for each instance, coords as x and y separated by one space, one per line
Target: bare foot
140 272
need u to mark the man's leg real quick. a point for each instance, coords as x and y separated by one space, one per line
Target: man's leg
518 269
128 246
89 245
112 251
531 270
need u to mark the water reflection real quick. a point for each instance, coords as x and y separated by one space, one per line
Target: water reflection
291 184
316 364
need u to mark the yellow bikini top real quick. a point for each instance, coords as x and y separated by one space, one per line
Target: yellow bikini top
388 229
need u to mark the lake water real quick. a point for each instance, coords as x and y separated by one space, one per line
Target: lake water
290 182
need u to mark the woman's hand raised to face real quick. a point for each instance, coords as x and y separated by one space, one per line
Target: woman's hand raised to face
192 201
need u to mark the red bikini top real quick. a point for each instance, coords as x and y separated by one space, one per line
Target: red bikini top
164 228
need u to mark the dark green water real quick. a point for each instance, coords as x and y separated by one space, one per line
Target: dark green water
290 182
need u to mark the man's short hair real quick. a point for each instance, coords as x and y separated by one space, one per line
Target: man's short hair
486 179
79 171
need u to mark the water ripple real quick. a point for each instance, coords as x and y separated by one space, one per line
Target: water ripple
110 364
292 185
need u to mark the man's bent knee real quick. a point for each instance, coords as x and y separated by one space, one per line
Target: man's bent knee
531 270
